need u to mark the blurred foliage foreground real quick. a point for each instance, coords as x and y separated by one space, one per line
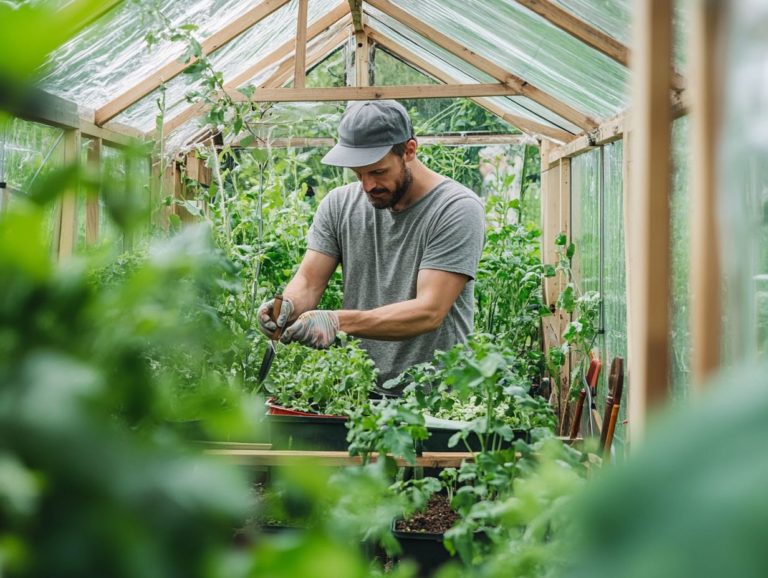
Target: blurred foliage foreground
96 481
101 356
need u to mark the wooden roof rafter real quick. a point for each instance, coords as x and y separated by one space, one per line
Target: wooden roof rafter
300 51
337 16
315 55
286 69
419 63
175 67
524 88
373 92
356 9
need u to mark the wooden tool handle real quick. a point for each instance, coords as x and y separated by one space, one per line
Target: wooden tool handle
610 428
276 315
577 415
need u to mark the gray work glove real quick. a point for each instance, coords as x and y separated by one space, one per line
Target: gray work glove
266 325
316 329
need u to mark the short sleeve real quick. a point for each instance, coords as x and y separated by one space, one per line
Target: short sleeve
455 241
323 235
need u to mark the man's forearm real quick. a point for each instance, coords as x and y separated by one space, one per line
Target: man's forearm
394 322
303 294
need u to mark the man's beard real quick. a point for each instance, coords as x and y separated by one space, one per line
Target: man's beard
403 185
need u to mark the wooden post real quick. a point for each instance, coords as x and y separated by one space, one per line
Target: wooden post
361 59
299 73
67 212
705 257
627 172
556 219
649 254
93 208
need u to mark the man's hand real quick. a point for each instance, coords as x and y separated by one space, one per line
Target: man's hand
315 329
266 325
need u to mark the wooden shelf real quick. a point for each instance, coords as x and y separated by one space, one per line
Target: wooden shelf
241 455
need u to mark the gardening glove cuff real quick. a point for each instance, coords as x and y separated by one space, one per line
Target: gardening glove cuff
316 329
266 325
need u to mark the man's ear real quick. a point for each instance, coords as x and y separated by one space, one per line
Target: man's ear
410 149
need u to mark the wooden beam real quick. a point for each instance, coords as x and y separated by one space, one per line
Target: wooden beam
317 53
650 251
611 130
446 140
93 207
356 9
67 213
361 59
340 15
269 457
373 92
706 280
175 67
579 29
429 69
110 137
300 52
523 87
44 107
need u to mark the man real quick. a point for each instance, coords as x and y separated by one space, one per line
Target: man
408 239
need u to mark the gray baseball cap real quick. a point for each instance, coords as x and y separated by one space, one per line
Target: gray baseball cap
367 131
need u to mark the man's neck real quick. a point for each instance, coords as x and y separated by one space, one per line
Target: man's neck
424 180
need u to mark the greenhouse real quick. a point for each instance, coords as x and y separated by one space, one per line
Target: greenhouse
357 288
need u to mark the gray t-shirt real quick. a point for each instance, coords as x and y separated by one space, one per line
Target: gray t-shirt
381 253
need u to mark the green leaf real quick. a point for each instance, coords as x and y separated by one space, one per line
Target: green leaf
570 251
561 240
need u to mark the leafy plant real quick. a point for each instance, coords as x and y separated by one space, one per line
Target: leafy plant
508 289
516 516
389 427
580 333
334 381
478 382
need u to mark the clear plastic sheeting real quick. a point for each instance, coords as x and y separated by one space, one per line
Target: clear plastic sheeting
743 183
585 219
27 151
265 37
597 209
612 17
463 72
525 44
614 291
111 55
680 248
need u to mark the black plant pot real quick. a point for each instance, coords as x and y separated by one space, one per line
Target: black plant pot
293 432
438 440
425 549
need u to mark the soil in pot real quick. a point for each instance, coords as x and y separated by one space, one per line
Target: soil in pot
436 518
421 535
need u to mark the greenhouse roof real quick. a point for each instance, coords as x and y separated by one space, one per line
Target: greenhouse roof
551 68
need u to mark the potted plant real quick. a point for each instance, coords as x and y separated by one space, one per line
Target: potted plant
312 393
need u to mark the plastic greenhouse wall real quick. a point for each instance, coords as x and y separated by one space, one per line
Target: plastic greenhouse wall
743 186
680 366
28 151
614 275
598 229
